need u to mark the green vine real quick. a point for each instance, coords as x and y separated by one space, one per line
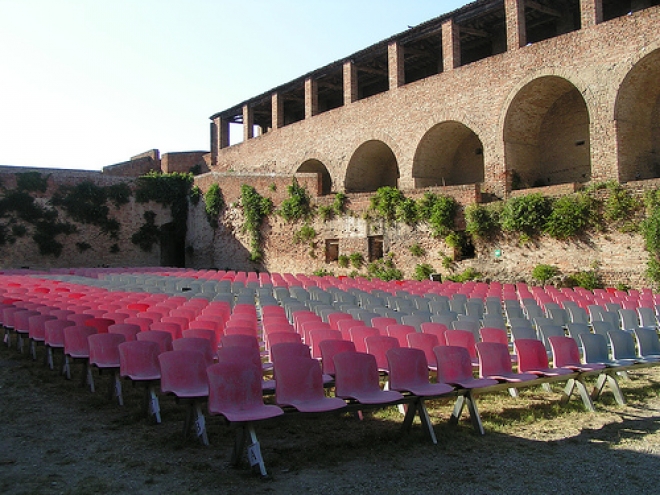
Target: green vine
148 234
32 182
255 209
298 205
214 202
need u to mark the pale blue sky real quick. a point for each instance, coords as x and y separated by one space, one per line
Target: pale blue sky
89 83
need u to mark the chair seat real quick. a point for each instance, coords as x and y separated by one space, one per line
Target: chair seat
474 382
550 371
319 405
376 397
513 377
429 389
254 413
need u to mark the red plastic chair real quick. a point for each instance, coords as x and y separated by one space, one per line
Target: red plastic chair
533 358
359 335
286 350
76 348
400 333
455 368
328 350
143 323
79 319
128 330
104 355
101 324
357 378
54 338
201 345
138 361
162 338
234 328
495 362
235 392
490 334
179 320
566 354
334 318
183 374
37 332
299 384
409 372
344 326
424 342
22 325
238 339
378 346
463 338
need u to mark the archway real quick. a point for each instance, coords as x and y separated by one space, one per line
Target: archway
449 154
316 167
637 117
373 165
546 134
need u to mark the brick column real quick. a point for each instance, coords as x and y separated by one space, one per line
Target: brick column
591 12
248 122
277 111
516 30
311 98
350 83
451 45
219 137
395 65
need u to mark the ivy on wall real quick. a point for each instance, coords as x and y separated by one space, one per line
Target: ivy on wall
255 209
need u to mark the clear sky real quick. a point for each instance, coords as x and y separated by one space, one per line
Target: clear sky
89 83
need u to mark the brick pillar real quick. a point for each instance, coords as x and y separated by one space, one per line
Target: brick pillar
248 122
277 111
591 12
395 65
219 137
311 98
451 45
516 30
350 83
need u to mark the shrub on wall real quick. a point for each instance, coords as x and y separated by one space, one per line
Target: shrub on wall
385 202
570 216
481 221
32 182
586 279
417 250
438 212
297 205
525 214
543 273
384 269
214 202
342 261
255 209
305 234
406 211
423 271
357 260
148 234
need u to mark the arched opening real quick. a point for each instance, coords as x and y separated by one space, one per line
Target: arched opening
449 154
316 167
373 165
546 135
637 116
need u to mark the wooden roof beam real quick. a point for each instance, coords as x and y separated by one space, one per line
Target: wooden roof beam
542 8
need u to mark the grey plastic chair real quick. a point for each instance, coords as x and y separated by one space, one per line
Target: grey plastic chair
648 342
629 319
622 344
558 314
647 318
596 351
602 327
547 331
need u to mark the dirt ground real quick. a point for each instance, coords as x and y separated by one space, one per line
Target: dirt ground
56 437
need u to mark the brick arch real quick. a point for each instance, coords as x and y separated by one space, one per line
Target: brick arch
312 165
637 120
450 153
546 133
372 165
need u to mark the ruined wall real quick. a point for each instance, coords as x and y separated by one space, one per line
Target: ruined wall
184 161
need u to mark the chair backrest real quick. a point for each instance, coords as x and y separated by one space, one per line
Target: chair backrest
356 372
345 325
359 334
494 359
328 350
445 318
128 330
648 341
575 329
202 333
578 315
200 345
279 337
495 321
558 314
239 353
334 318
238 339
174 329
378 345
298 378
595 349
143 323
462 338
75 340
138 360
382 322
318 335
285 350
424 342
54 332
532 355
492 334
622 344
415 320
22 319
629 319
400 332
408 368
454 364
523 332
104 349
602 327
647 317
162 338
37 326
437 329
565 351
547 331
182 373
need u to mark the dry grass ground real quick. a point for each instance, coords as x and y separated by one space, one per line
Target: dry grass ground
57 437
